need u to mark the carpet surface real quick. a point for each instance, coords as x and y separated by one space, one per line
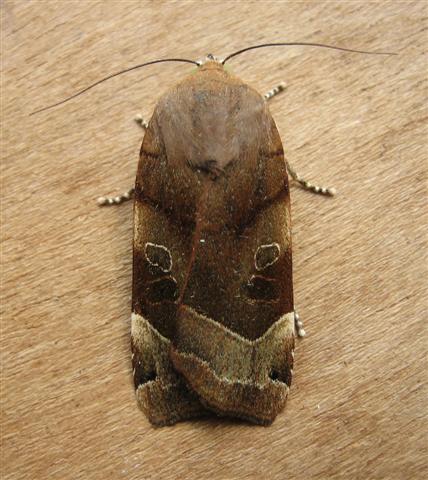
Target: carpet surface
358 404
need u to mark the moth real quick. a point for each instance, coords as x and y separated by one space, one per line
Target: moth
213 322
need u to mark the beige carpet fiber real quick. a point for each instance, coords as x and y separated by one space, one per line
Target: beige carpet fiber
357 408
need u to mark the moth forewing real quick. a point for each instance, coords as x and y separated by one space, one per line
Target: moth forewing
213 301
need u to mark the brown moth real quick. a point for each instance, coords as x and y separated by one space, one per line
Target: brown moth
213 323
212 298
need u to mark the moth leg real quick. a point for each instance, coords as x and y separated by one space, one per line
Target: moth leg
308 185
140 120
304 183
275 90
129 194
116 200
298 325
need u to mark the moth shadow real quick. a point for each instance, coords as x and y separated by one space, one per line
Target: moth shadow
214 421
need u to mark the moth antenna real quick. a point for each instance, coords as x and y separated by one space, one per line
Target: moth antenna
184 60
304 44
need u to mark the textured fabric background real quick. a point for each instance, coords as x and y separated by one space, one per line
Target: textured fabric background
357 408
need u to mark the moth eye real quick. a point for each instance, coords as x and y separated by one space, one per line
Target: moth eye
262 289
266 255
162 290
158 256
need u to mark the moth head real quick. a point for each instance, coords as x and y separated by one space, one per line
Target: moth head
210 60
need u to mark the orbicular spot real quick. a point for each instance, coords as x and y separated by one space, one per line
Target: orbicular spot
262 289
266 255
162 290
158 256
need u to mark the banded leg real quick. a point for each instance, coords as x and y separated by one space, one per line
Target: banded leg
298 325
309 186
272 93
140 120
116 200
129 194
304 183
